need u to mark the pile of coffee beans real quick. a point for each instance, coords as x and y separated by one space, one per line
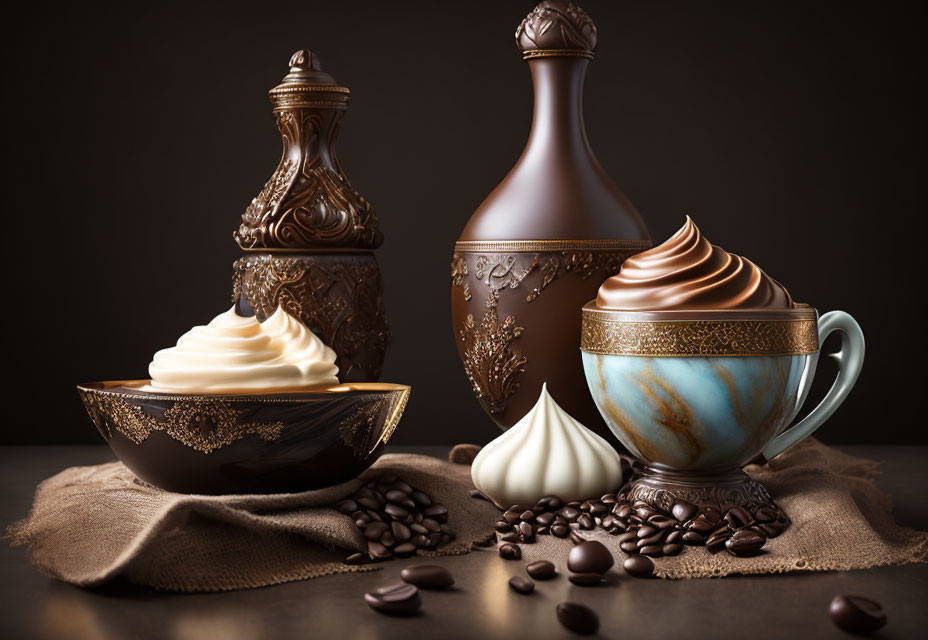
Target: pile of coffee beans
643 529
396 519
402 598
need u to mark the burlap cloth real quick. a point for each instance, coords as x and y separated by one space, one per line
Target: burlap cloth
89 525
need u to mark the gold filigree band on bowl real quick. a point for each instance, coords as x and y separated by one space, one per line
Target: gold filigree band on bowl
557 53
699 333
256 441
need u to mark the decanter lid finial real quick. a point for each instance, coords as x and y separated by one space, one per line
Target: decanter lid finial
556 28
306 69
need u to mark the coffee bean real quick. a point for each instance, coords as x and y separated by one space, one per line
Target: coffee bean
743 543
375 529
480 495
347 506
644 512
427 576
712 514
672 549
586 522
437 512
716 542
629 547
586 579
512 536
400 531
397 496
418 528
541 570
622 510
652 550
694 537
683 510
655 539
545 519
356 558
510 551
772 529
660 521
396 511
674 536
398 599
646 531
521 585
560 530
431 525
369 503
570 513
510 516
501 526
463 453
387 539
856 614
639 566
578 618
527 516
526 530
419 540
736 517
701 524
377 551
576 538
598 509
765 514
608 498
434 539
404 549
590 557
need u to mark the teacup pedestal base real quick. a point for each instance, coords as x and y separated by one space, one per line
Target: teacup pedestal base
712 494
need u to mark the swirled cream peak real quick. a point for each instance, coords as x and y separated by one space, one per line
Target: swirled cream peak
687 272
235 353
547 452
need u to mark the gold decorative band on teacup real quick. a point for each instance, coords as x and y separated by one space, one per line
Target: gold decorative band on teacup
507 246
613 333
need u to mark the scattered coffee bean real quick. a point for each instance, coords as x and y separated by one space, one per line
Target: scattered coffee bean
356 558
590 557
744 542
586 579
541 570
653 550
560 530
683 510
521 585
639 566
856 614
480 495
577 617
427 576
576 538
512 536
398 599
510 551
672 549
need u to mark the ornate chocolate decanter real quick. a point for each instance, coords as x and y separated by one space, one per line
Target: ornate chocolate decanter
308 236
540 245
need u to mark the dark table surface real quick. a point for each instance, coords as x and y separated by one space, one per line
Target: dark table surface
480 606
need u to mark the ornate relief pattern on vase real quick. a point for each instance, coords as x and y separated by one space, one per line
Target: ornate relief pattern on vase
492 360
338 296
306 203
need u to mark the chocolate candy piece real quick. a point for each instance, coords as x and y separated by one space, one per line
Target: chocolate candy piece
578 618
398 599
590 557
639 566
586 579
510 551
744 542
856 614
683 510
427 576
521 585
541 570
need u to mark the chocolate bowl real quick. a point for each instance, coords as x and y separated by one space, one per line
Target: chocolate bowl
696 395
253 442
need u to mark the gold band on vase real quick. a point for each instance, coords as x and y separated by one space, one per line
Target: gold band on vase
618 333
508 246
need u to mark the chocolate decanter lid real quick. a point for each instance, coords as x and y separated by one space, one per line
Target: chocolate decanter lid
556 28
307 85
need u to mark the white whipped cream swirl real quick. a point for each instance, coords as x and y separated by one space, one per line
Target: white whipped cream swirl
233 353
545 453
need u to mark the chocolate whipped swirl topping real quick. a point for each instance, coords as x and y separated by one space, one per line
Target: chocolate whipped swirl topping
688 273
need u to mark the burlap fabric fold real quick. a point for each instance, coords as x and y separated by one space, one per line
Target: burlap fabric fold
840 520
89 525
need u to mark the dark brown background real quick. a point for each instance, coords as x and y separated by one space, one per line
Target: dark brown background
792 132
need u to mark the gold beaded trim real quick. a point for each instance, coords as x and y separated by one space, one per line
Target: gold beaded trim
682 338
551 53
505 246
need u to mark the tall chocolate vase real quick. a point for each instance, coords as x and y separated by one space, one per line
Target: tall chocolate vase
543 241
308 237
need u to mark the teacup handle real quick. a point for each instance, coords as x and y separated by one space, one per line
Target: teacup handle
850 359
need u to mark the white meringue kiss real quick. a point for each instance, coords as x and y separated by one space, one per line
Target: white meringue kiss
546 453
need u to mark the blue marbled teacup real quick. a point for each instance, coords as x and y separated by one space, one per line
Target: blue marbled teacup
705 391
